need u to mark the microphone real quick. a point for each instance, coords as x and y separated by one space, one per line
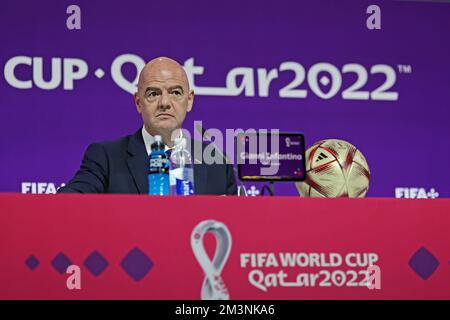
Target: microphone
206 135
241 188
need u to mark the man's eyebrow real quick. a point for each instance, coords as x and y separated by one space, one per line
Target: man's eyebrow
158 89
151 89
176 87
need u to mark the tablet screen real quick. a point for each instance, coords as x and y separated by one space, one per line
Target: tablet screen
271 156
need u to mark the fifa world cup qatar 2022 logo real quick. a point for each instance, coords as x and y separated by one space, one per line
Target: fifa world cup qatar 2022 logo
213 287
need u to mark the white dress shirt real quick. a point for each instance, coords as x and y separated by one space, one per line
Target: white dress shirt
149 139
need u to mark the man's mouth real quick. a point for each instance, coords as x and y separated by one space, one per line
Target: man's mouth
164 115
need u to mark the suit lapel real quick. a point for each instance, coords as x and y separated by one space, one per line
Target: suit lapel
138 161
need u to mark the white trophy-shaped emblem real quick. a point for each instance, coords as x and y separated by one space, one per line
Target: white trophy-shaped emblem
213 287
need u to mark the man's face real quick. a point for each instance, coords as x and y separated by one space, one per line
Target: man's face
163 97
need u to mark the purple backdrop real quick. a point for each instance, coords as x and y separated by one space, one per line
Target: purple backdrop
45 132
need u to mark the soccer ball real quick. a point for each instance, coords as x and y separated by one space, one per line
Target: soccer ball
335 168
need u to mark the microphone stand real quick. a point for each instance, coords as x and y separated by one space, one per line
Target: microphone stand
241 188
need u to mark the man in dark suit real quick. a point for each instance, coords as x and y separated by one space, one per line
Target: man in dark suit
121 166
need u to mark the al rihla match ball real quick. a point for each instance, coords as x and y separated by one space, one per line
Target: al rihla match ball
335 168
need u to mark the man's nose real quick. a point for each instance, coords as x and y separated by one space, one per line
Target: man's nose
164 101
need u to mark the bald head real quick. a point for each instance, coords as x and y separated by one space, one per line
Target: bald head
163 97
160 69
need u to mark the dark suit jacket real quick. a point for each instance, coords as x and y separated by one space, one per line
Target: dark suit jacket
121 166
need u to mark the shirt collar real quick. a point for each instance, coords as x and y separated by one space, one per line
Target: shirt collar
149 139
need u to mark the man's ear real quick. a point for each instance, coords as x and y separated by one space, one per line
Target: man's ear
190 100
137 102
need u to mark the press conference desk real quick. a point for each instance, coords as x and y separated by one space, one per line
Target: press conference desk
139 247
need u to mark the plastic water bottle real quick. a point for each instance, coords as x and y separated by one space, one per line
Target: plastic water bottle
181 170
158 177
